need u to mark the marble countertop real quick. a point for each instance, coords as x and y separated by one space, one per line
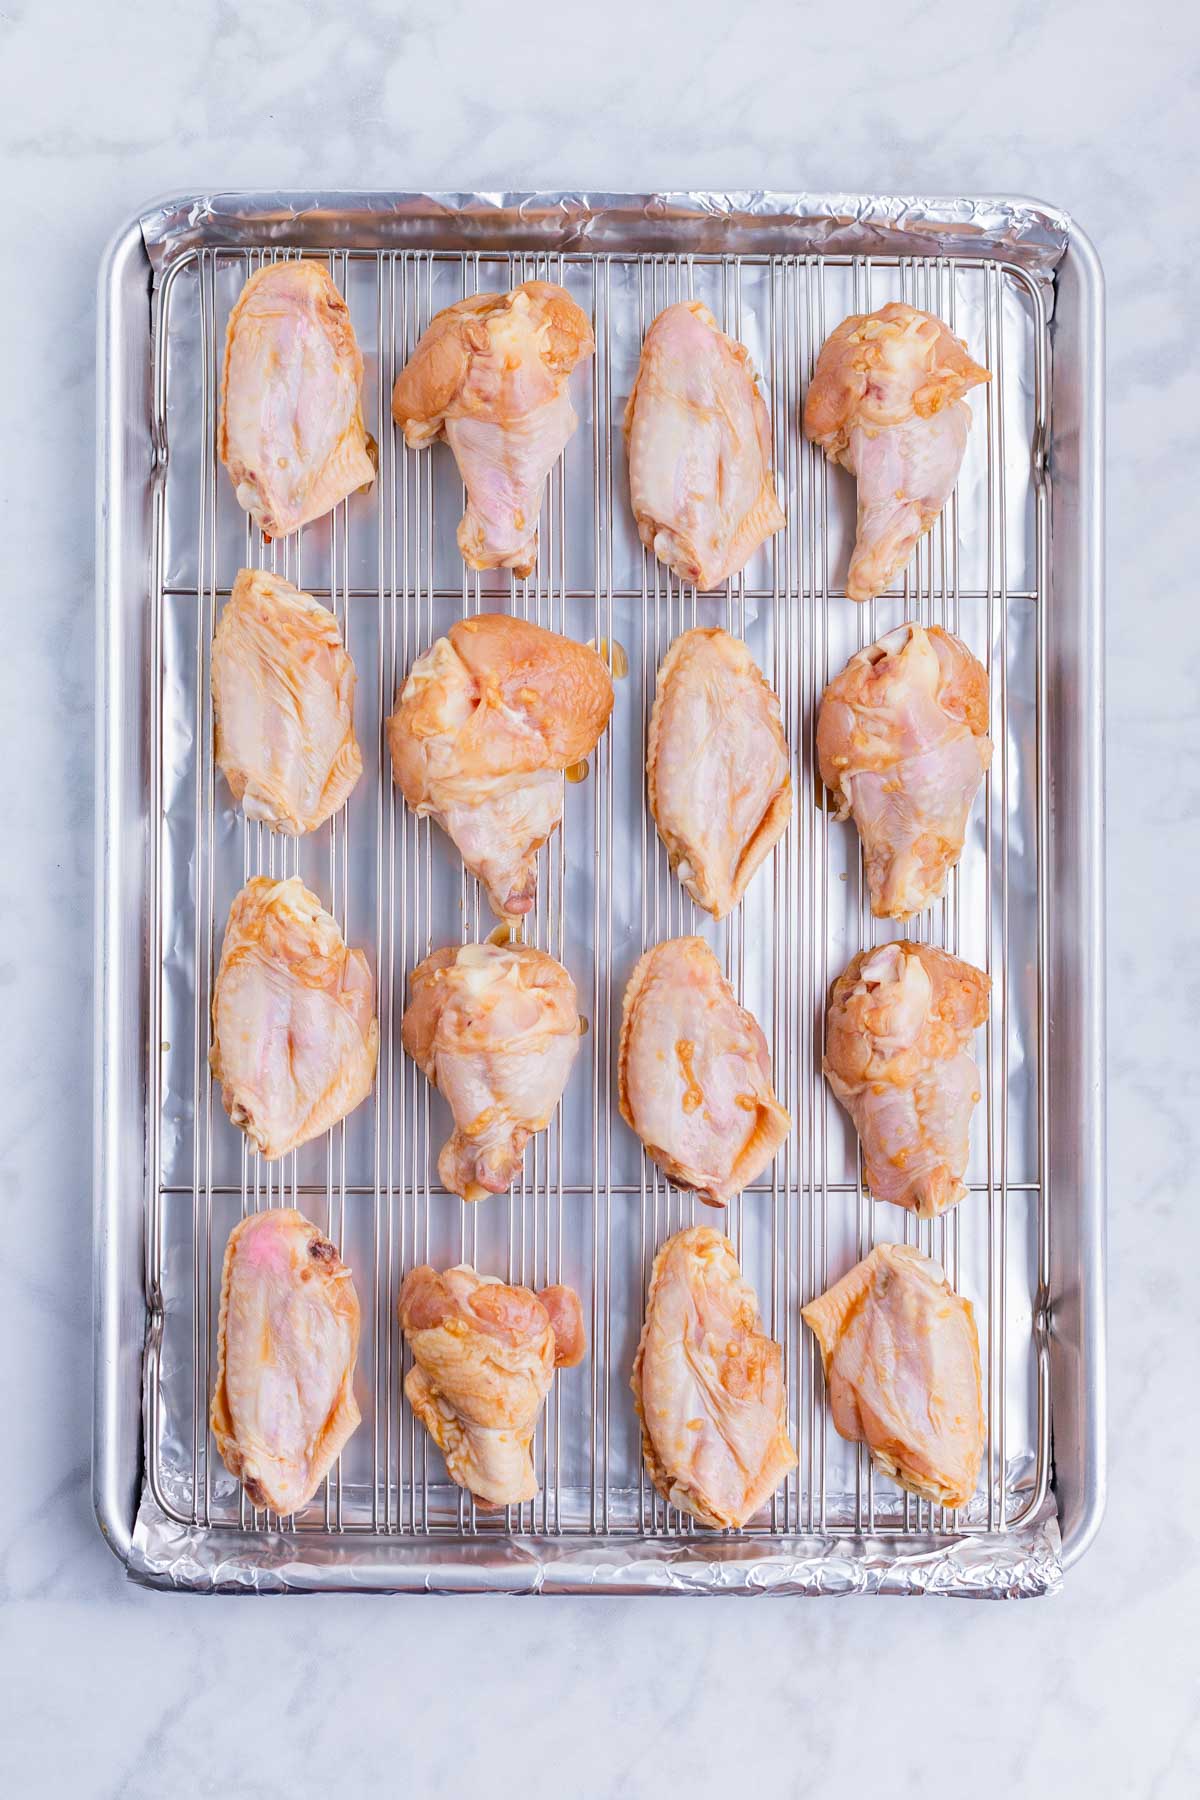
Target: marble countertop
113 1690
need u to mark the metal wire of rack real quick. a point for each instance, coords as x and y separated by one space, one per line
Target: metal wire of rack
589 1209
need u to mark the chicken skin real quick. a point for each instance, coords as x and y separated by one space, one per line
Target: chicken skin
484 1356
291 432
699 441
283 696
708 1385
902 740
496 1030
287 1338
897 1055
718 767
484 726
886 401
294 1031
901 1357
694 1075
490 376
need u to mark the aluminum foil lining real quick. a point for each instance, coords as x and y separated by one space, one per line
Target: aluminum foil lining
169 1550
1018 1565
1019 231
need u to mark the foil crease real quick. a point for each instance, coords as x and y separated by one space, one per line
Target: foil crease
1016 1565
1016 230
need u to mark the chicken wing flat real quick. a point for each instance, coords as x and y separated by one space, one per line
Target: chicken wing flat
901 1356
287 1338
291 432
484 727
490 376
294 1031
484 1356
694 1075
886 401
902 740
283 696
717 766
708 1385
699 441
496 1030
897 1055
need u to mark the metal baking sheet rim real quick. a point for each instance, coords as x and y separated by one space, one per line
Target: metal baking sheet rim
1022 1563
156 1551
1024 231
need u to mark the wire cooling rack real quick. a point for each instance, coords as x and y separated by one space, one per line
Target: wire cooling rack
589 1209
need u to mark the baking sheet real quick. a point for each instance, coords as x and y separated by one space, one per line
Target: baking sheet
588 1209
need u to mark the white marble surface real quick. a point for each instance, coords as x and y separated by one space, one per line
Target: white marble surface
111 1690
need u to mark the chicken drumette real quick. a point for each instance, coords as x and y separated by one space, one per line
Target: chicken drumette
484 1356
484 726
901 1357
291 433
897 1055
490 375
886 402
708 1385
903 745
496 1031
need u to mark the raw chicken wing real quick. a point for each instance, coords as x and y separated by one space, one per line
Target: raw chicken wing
901 1356
484 727
283 1406
490 375
694 1076
496 1030
903 745
708 1386
483 1358
291 430
897 1055
283 695
294 1031
718 767
886 402
699 439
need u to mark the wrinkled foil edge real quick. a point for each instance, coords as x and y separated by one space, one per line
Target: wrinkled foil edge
1022 231
1019 1564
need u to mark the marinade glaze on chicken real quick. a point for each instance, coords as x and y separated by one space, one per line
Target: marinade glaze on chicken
291 432
886 401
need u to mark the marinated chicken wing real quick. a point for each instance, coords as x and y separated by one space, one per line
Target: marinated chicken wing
283 696
886 402
901 1356
693 1073
718 767
484 727
291 430
897 1055
903 745
483 1358
496 1030
490 375
708 1386
699 439
283 1406
294 1031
